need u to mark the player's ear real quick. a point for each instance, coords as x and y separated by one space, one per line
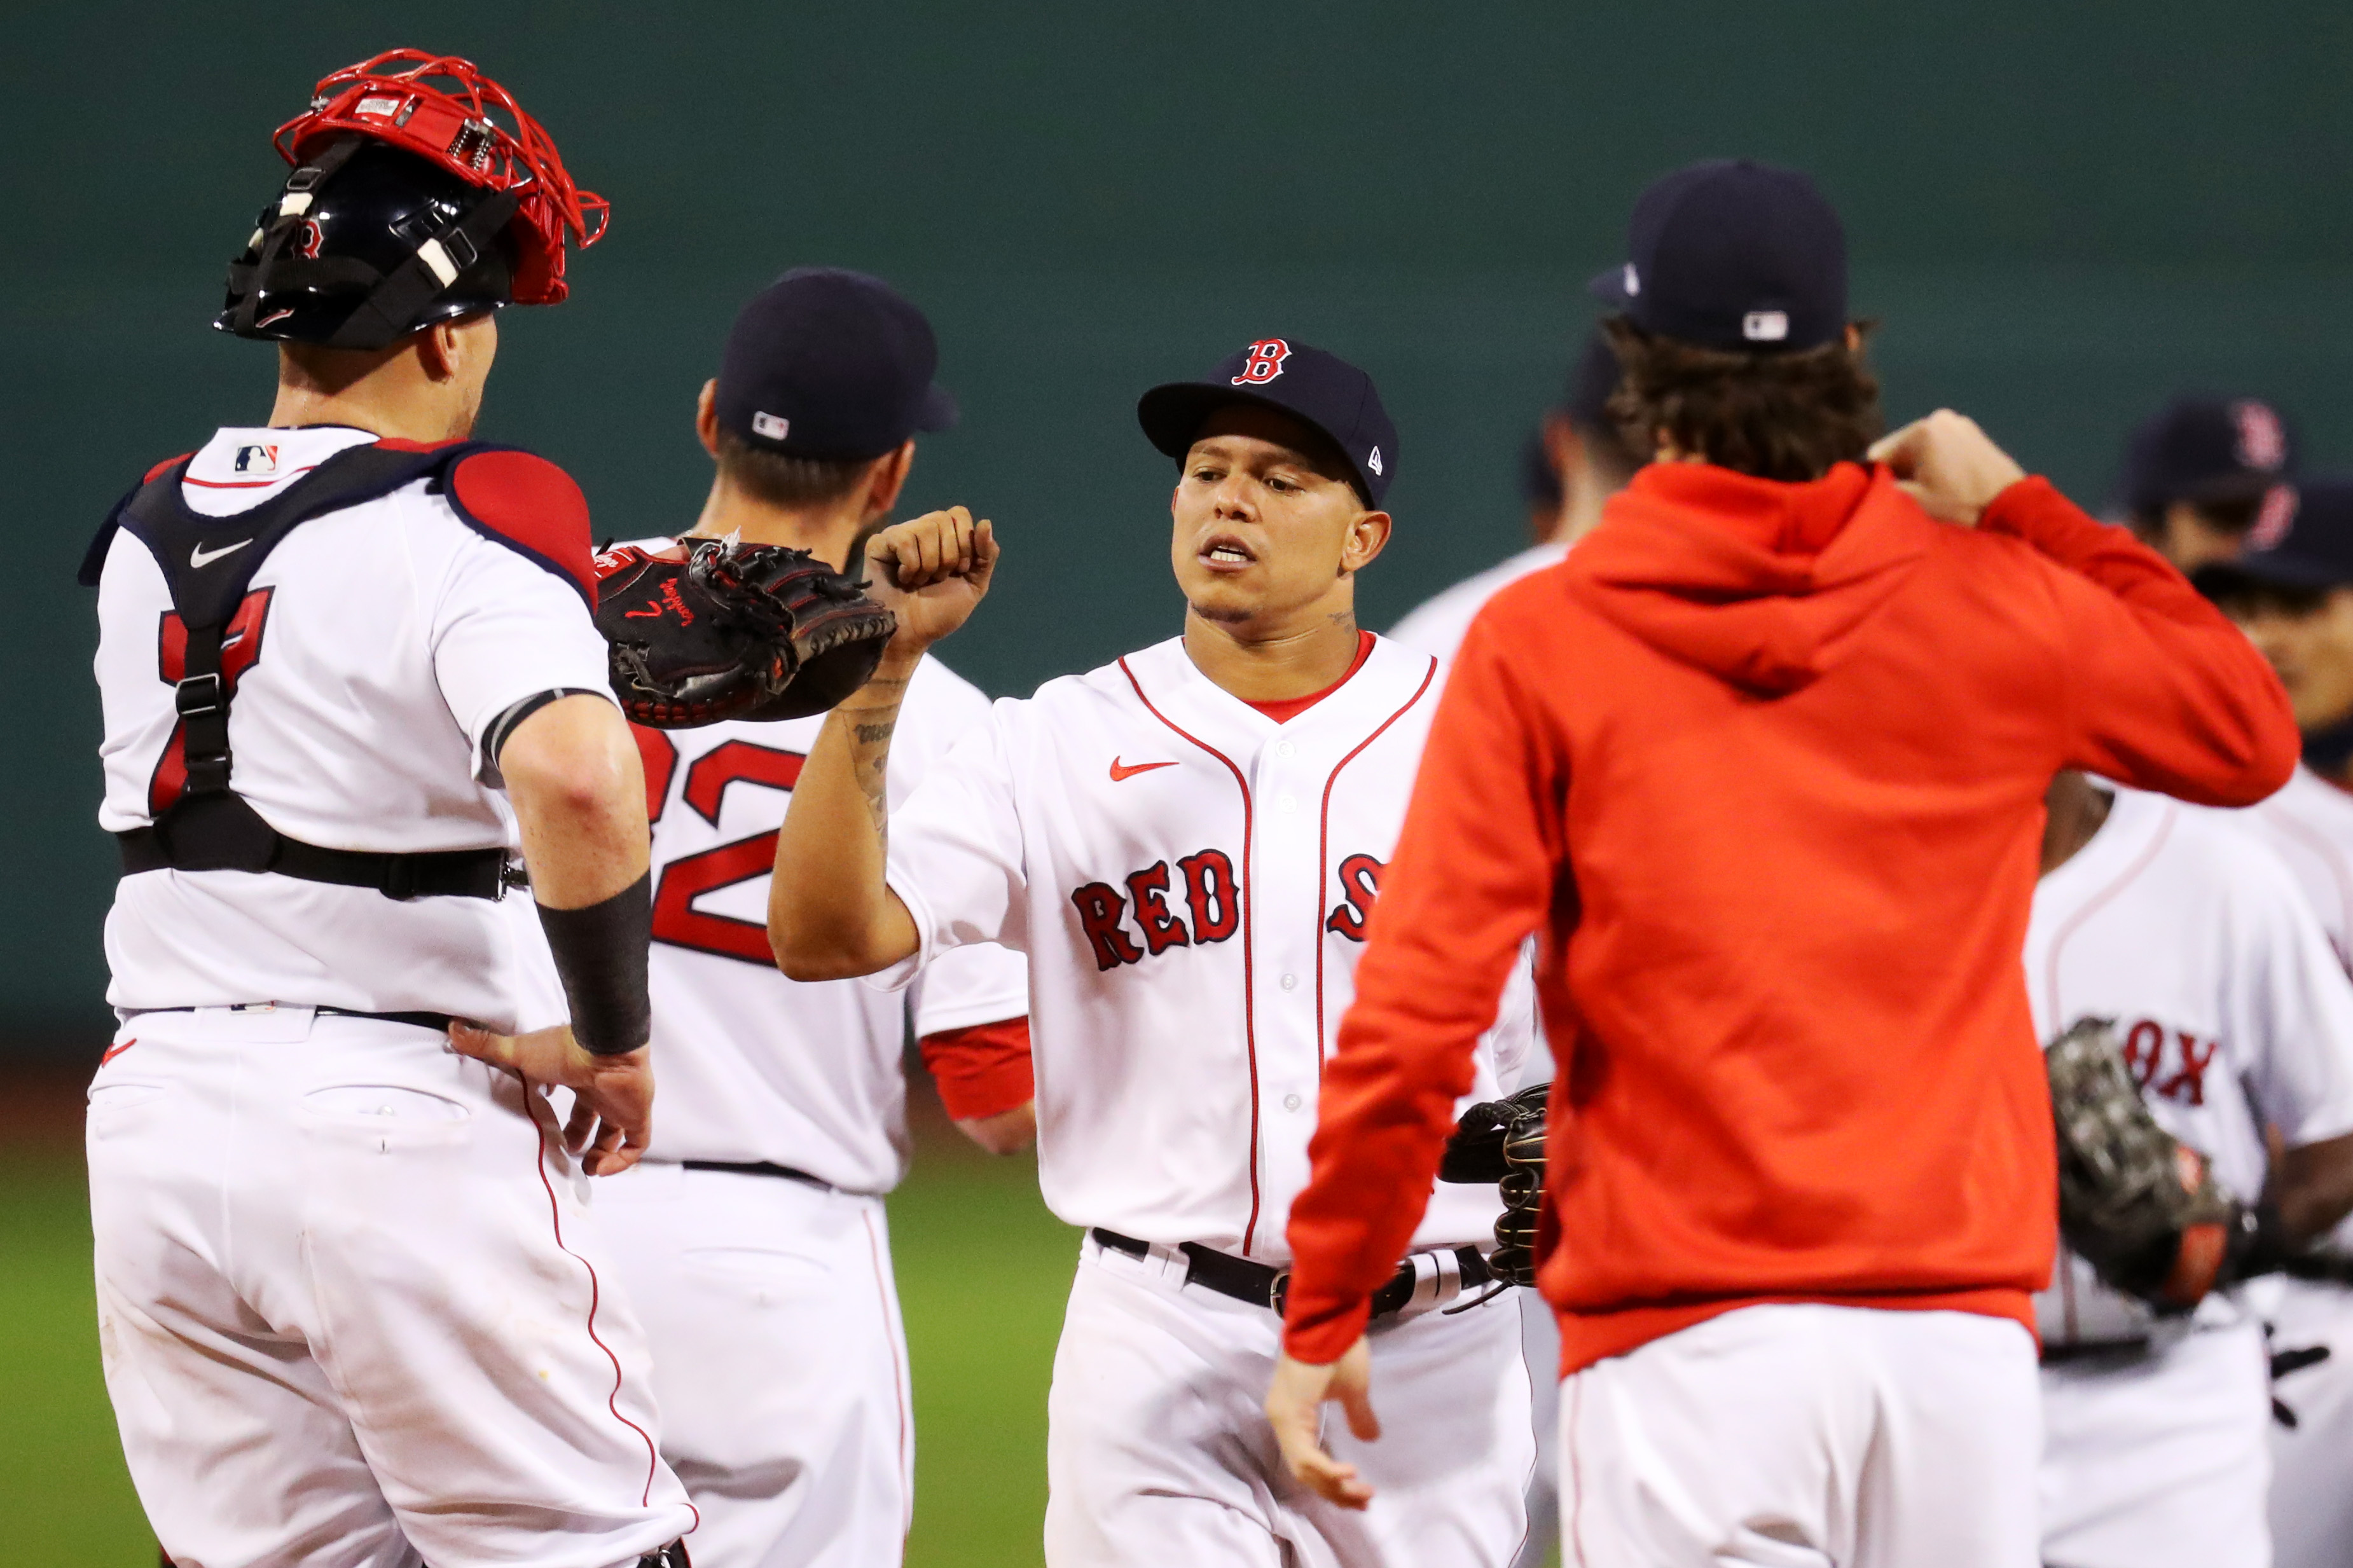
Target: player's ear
706 415
1366 538
888 477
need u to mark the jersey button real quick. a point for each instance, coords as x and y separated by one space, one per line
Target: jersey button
1285 748
1286 803
1291 981
1289 1102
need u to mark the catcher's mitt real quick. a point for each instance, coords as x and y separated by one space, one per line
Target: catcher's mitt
711 629
1503 1142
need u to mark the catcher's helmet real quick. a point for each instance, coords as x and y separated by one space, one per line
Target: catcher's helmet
409 204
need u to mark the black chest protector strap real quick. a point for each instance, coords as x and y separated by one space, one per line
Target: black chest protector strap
209 563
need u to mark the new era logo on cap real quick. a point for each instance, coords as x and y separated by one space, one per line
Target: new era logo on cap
1374 462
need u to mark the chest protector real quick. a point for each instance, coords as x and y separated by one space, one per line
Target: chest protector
208 562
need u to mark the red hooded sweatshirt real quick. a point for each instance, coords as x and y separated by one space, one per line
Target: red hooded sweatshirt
1764 765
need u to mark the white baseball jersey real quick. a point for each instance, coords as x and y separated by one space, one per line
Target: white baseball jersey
2230 1007
2310 823
1191 882
756 1068
1436 625
377 646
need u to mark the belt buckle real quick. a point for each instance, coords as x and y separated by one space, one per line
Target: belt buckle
1278 1290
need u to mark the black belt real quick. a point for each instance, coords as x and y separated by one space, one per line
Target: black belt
757 1168
2119 1351
1261 1284
443 873
439 1022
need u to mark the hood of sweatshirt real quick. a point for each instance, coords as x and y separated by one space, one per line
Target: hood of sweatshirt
1757 582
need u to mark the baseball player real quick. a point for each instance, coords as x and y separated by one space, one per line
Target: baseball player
2234 1017
2206 476
752 1240
351 1307
2293 594
1188 844
1584 461
1763 762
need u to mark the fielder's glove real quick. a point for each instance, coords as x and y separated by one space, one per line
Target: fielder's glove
710 629
2142 1208
1503 1142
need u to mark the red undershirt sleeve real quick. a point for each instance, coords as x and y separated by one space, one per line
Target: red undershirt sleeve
981 1071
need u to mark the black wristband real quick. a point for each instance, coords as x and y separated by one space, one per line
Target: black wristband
600 954
2259 1243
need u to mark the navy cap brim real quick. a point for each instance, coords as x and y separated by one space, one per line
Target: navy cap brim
939 410
1609 287
2269 569
1172 414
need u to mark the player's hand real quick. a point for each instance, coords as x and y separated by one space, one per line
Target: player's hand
1948 465
931 572
1296 1407
612 1096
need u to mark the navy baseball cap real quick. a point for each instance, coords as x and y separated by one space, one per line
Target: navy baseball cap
2200 448
830 363
1733 254
1319 389
2310 547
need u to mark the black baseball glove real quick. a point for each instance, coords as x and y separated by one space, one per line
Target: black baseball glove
2142 1208
711 629
1503 1142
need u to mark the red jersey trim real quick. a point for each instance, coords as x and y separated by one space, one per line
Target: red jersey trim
527 504
1283 710
1323 835
160 469
1250 911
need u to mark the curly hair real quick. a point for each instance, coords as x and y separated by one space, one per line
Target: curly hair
1775 415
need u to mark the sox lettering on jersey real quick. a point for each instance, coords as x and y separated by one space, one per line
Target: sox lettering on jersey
240 650
1360 884
2146 1051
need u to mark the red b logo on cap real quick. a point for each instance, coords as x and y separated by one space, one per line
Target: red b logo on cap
1265 363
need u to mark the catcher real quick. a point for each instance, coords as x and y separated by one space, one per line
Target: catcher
752 1242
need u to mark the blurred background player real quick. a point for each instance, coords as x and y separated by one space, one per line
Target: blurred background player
348 1294
2205 475
1764 762
2235 1018
2294 597
753 1239
1575 462
1188 842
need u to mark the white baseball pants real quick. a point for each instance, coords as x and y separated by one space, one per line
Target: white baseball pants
2159 1460
352 1310
778 1361
2312 1462
1158 1452
1806 1436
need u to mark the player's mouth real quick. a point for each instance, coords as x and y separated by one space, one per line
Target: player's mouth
1224 552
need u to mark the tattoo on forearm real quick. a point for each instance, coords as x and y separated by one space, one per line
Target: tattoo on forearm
873 734
870 756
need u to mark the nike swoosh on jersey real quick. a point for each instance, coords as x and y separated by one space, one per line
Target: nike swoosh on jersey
200 557
1120 771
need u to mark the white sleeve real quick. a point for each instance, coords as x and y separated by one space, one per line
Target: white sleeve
505 630
956 854
969 985
2295 1004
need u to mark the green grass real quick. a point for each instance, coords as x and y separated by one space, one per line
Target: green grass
983 1271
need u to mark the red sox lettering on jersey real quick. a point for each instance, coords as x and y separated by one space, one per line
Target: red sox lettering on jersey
1191 882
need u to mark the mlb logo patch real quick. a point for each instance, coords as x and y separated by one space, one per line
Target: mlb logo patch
257 460
776 427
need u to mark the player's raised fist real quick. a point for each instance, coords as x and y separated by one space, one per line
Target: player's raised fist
1948 465
613 1096
932 570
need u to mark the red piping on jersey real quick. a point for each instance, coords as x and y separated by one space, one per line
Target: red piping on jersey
898 1374
555 1222
2321 849
1323 850
1576 1531
1250 903
246 484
